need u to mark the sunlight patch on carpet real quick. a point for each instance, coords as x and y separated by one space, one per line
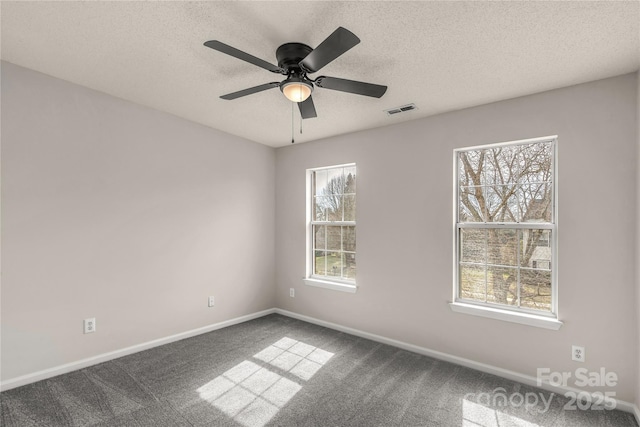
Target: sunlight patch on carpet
252 393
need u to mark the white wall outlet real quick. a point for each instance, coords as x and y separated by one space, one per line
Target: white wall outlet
212 301
89 325
577 353
292 292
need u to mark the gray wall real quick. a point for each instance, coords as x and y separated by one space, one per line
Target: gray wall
123 213
405 248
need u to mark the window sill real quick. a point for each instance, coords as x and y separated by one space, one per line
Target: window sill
336 286
507 316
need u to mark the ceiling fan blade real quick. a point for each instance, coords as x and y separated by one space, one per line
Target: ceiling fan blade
307 109
225 48
351 86
340 41
250 91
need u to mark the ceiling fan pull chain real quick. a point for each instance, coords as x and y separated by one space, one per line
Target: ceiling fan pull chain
292 141
300 125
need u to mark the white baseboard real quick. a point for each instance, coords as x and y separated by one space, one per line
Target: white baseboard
494 370
105 357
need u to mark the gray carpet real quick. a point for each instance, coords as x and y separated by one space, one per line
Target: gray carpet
277 371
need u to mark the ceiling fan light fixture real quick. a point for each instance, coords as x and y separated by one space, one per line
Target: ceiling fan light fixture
296 89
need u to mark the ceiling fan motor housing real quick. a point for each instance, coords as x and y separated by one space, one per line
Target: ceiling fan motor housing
289 56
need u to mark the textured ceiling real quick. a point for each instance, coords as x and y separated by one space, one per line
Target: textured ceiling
442 56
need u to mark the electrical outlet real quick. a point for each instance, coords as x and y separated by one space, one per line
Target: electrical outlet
89 325
211 301
577 353
292 292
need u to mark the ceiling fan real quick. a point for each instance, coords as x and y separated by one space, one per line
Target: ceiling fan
296 61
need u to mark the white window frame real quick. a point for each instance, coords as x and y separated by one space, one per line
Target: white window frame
327 282
548 320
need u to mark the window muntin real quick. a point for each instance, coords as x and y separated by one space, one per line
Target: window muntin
505 226
333 223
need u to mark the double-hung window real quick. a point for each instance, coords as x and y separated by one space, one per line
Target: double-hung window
505 231
331 232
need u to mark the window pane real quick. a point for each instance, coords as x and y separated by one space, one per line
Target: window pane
535 202
319 237
334 238
334 207
536 162
469 167
469 208
502 246
472 282
501 203
473 245
321 208
335 183
506 184
319 263
501 165
320 182
334 264
535 289
349 207
349 239
349 262
536 249
350 180
502 285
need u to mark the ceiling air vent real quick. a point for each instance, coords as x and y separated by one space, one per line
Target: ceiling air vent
401 109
